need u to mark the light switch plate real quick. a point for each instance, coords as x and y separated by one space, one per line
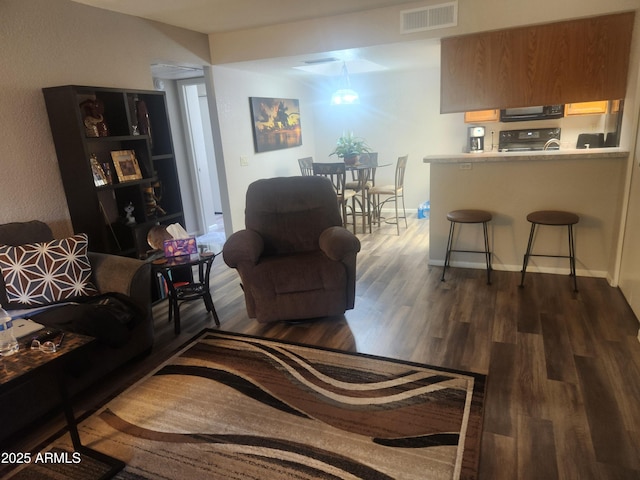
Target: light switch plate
244 161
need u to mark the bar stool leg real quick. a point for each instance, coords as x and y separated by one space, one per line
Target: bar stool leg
526 255
487 253
397 219
572 258
448 254
404 211
176 317
369 215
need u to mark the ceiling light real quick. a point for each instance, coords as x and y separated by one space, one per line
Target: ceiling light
345 95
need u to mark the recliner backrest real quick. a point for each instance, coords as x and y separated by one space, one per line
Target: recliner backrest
290 213
336 172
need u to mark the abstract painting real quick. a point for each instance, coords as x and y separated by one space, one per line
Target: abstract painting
276 123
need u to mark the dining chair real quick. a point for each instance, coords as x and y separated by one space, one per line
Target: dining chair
337 172
370 159
306 166
394 193
366 177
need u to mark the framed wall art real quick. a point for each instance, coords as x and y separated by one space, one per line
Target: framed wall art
276 123
126 165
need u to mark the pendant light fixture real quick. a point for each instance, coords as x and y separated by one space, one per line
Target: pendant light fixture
345 95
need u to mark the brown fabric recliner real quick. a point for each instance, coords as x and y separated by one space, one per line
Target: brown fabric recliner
294 258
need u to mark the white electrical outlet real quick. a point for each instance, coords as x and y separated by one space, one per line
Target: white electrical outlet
465 166
244 161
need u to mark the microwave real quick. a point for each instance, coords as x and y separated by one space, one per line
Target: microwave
531 113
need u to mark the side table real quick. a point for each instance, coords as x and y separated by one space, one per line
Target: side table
185 292
27 363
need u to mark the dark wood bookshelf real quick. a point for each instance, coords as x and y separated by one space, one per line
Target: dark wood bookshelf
98 210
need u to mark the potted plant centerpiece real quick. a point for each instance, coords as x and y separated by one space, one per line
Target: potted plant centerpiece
350 147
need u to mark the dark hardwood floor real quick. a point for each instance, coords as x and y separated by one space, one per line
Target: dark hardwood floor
563 368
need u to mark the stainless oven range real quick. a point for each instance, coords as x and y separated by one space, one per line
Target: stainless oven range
528 140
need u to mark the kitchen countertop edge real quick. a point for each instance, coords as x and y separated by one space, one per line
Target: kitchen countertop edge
584 154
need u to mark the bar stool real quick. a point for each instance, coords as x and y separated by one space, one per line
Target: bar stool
557 219
469 216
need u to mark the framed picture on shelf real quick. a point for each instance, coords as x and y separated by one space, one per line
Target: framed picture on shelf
99 177
126 165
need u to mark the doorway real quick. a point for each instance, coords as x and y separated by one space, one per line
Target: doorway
197 125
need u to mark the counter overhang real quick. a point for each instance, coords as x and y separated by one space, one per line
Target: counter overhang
575 154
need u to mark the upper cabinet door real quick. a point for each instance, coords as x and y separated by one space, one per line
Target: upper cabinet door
557 63
482 116
585 108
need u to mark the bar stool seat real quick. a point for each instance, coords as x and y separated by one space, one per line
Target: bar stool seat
556 218
553 217
469 217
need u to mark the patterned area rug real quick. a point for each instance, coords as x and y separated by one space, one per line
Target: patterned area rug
238 407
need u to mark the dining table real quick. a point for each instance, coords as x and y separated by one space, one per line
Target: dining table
362 173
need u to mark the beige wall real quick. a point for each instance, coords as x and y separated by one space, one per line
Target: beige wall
57 42
629 277
627 268
592 188
232 91
630 265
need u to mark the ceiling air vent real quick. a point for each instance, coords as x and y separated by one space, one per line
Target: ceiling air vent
429 18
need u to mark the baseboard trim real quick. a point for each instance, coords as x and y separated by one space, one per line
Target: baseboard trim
518 268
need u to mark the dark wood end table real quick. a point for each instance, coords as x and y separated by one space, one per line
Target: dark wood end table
26 363
185 292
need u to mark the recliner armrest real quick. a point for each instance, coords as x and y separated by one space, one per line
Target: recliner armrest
338 243
242 246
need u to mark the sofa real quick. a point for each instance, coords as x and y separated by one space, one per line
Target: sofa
294 258
123 329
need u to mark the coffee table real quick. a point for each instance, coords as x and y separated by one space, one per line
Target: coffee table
179 292
26 364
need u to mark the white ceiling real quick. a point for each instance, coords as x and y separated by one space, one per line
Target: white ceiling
207 16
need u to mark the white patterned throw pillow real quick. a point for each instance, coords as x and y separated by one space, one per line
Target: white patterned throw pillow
49 272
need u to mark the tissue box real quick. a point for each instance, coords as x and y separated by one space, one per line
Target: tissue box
180 246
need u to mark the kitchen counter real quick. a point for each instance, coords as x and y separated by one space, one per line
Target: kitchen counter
569 154
588 182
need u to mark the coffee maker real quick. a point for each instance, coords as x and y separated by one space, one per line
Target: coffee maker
476 139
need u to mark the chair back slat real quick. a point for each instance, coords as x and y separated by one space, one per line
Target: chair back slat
306 166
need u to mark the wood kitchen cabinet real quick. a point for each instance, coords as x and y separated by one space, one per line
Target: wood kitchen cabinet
479 116
557 63
585 108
